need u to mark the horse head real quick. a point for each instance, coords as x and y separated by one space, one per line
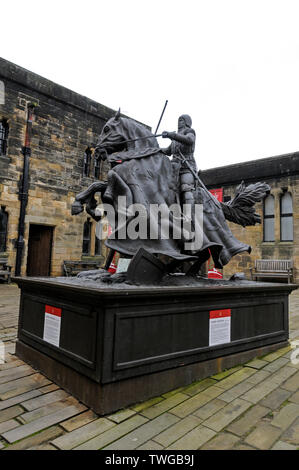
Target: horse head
121 134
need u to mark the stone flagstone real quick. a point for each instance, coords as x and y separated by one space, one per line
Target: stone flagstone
70 440
263 436
41 423
113 434
227 414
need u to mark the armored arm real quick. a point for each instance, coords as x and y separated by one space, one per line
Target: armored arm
188 139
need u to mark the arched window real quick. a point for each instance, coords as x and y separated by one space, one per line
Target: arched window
86 162
286 218
3 136
3 228
86 237
269 235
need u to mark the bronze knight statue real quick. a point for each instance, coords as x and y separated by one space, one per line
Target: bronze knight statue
183 142
142 173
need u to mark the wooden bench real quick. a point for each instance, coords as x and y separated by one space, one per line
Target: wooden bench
277 268
72 268
5 270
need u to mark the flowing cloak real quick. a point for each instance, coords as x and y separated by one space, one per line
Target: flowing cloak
148 177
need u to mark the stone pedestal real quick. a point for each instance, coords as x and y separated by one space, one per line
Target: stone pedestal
119 346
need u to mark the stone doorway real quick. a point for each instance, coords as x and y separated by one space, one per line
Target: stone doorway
39 250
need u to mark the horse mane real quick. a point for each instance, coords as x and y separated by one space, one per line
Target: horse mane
135 130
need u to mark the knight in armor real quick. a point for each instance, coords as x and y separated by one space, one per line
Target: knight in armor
183 143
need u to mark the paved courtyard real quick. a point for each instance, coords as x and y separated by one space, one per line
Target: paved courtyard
251 406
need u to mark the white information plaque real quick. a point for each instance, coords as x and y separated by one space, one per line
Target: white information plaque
220 327
52 325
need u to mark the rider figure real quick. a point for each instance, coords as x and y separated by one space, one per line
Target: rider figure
183 142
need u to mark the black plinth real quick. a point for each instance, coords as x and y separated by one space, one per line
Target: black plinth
119 346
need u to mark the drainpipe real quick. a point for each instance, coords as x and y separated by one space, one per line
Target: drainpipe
24 186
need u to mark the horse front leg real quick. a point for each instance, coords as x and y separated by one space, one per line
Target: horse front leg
87 198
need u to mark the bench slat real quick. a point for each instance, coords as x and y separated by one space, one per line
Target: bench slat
273 268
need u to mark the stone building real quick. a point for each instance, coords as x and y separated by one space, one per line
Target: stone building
277 237
65 128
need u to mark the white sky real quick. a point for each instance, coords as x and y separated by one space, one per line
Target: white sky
233 65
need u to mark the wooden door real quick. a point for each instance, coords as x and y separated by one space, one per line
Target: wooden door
39 250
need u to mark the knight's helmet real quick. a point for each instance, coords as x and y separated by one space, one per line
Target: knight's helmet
187 119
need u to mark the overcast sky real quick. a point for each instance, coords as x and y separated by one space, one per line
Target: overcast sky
233 65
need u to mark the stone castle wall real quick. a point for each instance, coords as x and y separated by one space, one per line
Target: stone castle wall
64 125
287 178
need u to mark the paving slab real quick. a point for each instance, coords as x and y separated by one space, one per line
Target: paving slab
283 374
226 373
257 363
285 417
74 438
205 411
42 447
41 423
292 384
44 399
121 415
294 398
114 434
291 435
242 447
10 413
199 386
259 391
144 433
226 415
164 405
236 391
263 436
236 378
18 399
150 445
8 425
15 373
79 420
48 409
223 441
178 430
49 388
281 445
19 386
194 439
194 403
275 398
142 406
37 439
243 425
258 377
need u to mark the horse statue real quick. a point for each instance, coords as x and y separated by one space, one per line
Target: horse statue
142 176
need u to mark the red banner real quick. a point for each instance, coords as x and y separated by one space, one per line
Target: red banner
217 193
